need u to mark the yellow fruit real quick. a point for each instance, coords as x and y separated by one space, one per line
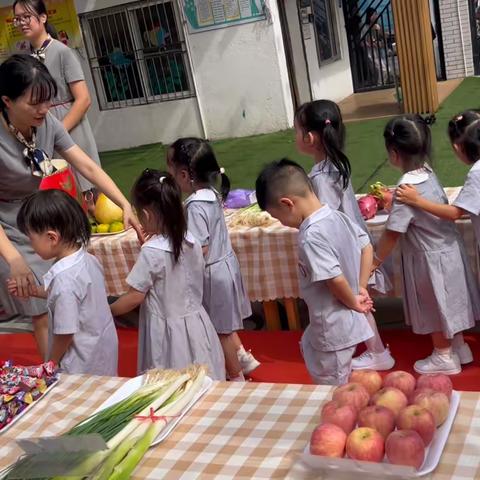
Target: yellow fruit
103 228
106 211
116 227
93 228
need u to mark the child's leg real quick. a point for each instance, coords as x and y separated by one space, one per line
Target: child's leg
440 342
375 343
232 364
40 332
236 340
462 349
247 361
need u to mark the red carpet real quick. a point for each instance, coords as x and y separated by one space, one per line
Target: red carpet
278 352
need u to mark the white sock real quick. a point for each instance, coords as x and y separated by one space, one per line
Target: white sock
447 352
241 350
239 378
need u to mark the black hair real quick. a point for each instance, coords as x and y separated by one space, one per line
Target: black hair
54 210
19 73
324 118
369 13
410 136
464 130
197 156
280 178
37 8
159 192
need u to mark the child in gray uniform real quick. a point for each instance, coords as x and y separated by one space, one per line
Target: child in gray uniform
82 334
167 282
195 168
320 133
335 257
464 133
440 296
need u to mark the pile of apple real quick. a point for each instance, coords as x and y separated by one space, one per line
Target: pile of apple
369 418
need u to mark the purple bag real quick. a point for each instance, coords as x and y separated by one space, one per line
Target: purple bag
238 198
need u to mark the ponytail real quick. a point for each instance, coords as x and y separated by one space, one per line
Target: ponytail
51 30
324 118
158 192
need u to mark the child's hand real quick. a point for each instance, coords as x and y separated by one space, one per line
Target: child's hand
407 194
12 287
363 292
363 304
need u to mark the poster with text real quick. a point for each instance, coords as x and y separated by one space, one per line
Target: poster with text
61 15
209 14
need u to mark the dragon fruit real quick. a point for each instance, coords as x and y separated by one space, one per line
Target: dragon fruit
368 206
383 195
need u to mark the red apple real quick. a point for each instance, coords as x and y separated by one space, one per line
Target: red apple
328 440
404 381
366 444
380 418
392 398
419 419
436 381
370 379
436 402
405 447
352 394
344 416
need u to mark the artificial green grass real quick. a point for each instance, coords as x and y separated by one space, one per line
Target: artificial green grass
242 158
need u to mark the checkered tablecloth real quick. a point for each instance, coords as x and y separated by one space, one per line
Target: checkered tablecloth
267 255
237 430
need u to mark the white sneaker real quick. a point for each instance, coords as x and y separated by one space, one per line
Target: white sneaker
247 360
464 353
439 363
374 361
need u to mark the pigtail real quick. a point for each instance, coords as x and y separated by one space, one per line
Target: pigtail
464 131
333 149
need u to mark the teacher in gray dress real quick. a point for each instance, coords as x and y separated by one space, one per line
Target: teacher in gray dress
72 100
29 135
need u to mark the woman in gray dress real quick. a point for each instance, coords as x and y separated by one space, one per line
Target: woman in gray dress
29 134
72 100
440 296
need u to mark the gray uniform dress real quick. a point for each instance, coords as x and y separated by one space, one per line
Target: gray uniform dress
327 185
77 304
65 68
469 198
224 295
174 328
16 183
328 343
439 290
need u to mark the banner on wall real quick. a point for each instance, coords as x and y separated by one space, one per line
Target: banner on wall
61 14
204 15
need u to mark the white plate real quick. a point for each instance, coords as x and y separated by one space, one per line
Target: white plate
379 219
20 415
135 383
382 470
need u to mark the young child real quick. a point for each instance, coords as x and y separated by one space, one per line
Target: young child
82 334
464 133
194 166
330 271
320 133
439 292
166 281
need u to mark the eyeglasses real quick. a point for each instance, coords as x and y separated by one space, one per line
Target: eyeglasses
22 19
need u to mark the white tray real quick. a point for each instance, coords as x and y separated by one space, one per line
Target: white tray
135 383
382 470
20 415
379 219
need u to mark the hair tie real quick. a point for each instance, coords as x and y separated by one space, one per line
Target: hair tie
222 171
328 121
161 180
459 118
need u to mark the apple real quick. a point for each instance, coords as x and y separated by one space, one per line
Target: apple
344 416
370 379
392 398
419 419
352 394
436 381
405 447
380 418
328 440
404 381
436 402
366 444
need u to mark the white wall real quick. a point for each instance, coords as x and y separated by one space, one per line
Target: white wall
334 80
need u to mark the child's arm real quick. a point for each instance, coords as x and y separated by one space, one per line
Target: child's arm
60 345
341 290
33 290
366 262
386 244
127 302
409 194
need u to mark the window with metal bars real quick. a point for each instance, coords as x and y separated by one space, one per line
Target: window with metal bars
137 54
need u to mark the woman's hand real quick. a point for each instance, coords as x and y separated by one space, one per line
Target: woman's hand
407 194
130 220
21 274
